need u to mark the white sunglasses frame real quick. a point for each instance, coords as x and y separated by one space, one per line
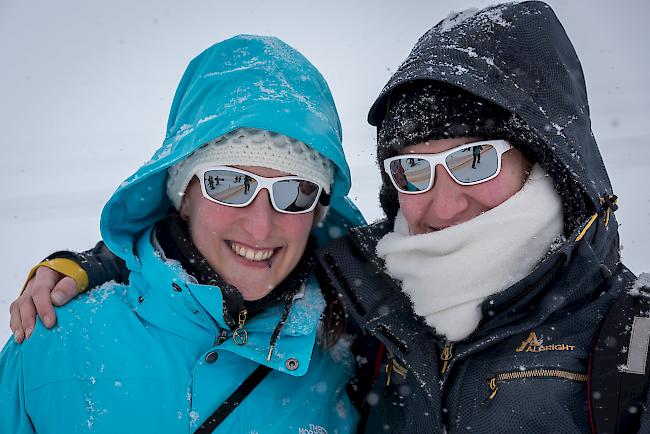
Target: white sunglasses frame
501 146
262 182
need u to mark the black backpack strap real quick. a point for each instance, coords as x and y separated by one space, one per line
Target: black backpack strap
229 405
618 366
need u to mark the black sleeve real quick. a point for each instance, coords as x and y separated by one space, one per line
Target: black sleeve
99 263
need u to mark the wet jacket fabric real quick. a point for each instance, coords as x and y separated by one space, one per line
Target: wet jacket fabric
156 354
524 369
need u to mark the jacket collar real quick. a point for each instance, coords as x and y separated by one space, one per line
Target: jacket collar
565 279
163 294
567 276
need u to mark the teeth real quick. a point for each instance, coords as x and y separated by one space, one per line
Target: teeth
251 254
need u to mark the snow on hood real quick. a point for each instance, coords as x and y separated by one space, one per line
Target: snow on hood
246 81
518 56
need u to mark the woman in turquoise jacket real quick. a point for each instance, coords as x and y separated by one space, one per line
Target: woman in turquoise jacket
218 231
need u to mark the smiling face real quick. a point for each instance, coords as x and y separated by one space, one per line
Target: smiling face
253 248
448 203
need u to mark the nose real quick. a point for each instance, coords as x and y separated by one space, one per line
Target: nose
259 216
446 201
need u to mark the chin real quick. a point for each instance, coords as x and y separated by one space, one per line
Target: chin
250 289
253 295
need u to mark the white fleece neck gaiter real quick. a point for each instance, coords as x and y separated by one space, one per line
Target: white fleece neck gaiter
448 273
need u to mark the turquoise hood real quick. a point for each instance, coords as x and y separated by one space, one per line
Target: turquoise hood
246 81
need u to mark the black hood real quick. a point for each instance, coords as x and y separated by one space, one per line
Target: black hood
518 56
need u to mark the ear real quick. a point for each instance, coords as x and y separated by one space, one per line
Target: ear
186 201
184 211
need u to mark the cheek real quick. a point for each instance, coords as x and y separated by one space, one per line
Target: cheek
515 170
489 195
208 220
412 207
500 189
296 228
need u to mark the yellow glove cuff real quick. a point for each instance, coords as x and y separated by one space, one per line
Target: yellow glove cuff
67 267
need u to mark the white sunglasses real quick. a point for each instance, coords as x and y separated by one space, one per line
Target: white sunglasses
238 188
468 164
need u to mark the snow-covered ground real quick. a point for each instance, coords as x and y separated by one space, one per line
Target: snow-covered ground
85 88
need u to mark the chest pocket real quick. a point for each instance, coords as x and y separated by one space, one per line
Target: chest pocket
538 366
539 373
542 388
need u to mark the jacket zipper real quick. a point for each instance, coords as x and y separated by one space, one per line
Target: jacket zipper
446 356
533 373
240 335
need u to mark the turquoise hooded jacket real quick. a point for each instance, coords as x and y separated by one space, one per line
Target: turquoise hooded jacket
156 355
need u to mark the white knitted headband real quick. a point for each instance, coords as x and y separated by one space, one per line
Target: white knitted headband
250 147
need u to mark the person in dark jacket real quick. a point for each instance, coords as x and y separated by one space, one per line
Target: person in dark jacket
486 287
477 300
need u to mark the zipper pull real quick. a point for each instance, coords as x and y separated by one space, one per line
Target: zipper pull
446 356
240 335
493 387
389 371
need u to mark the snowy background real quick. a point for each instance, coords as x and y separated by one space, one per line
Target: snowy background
85 88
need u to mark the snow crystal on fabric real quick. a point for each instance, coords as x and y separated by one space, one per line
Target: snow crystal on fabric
455 18
641 287
206 119
305 313
490 16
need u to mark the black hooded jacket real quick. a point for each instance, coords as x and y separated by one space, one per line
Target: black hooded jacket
524 369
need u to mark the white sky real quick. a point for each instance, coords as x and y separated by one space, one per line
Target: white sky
85 88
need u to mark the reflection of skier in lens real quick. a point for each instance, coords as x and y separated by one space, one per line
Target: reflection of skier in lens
247 184
211 182
476 155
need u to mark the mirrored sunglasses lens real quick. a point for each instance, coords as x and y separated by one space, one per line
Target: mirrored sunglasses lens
473 164
293 195
229 187
411 174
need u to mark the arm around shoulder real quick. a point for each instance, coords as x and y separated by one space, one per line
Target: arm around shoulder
99 264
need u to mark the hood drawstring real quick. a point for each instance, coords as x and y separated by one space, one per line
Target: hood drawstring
611 204
608 204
